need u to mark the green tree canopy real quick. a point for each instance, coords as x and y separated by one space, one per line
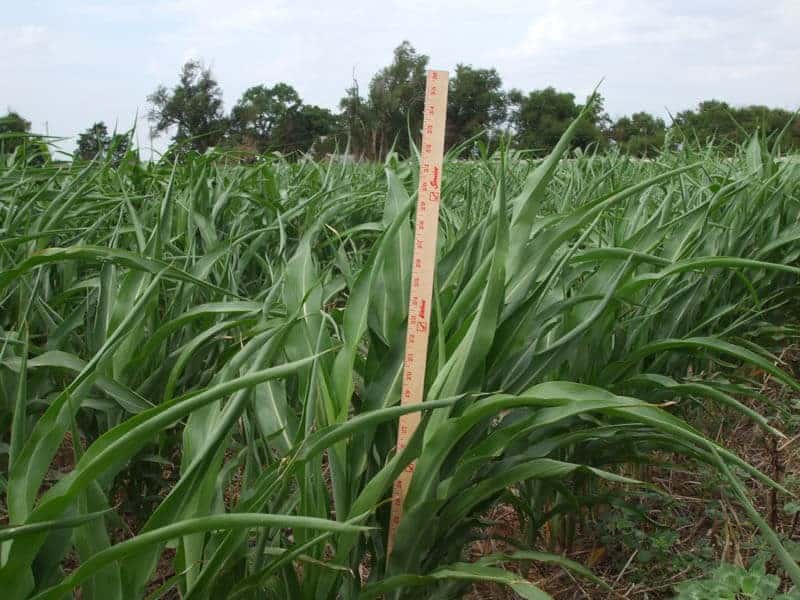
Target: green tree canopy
712 121
13 128
541 117
641 134
357 120
93 141
302 126
275 119
259 112
475 103
118 147
397 99
194 107
718 122
388 115
96 142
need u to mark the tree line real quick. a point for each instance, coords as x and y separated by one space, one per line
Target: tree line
387 116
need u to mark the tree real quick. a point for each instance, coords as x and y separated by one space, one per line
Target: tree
15 135
301 127
713 121
641 134
541 117
359 122
772 121
594 130
275 119
118 147
194 106
475 103
726 126
13 130
259 112
397 99
93 142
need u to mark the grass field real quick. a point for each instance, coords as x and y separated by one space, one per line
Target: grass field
200 367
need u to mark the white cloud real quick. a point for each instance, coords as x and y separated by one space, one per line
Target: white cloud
231 17
191 53
24 37
585 24
24 46
659 53
105 57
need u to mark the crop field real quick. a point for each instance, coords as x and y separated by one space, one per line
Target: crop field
200 369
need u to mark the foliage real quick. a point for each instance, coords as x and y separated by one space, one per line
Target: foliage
641 134
393 107
476 103
193 108
541 117
731 582
93 141
358 121
260 112
96 143
397 97
653 547
389 117
305 128
18 145
246 325
12 132
275 119
730 127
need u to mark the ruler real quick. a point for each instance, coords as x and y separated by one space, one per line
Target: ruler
422 269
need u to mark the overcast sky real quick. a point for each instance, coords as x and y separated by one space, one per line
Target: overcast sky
65 64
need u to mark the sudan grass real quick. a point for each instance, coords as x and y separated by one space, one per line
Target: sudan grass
248 322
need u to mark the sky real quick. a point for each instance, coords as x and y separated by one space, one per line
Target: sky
67 64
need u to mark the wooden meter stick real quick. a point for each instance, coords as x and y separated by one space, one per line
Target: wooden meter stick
422 269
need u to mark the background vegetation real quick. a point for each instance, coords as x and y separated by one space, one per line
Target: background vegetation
200 363
274 118
200 356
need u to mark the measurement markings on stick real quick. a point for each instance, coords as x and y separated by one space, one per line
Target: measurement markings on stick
422 269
